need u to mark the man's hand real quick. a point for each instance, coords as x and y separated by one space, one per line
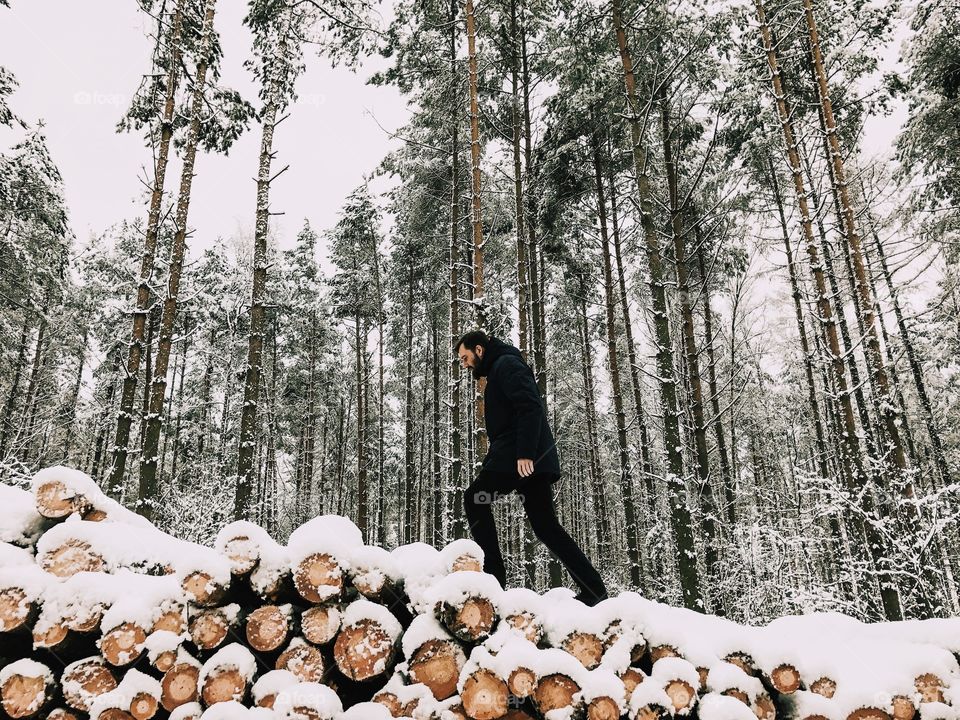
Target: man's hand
524 467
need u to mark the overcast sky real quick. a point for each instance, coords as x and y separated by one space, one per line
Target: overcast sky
78 64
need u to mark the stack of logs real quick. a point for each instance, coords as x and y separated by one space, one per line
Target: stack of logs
102 616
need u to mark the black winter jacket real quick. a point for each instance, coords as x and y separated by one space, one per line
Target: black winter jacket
513 412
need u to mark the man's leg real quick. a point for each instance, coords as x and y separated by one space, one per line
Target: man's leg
537 494
478 506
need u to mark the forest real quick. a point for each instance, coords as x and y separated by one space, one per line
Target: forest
742 318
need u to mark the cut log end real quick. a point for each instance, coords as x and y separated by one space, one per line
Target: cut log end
603 708
54 500
224 685
471 621
15 609
202 589
554 691
320 624
304 661
785 679
267 628
522 682
484 696
437 664
25 696
143 706
179 686
123 644
868 713
363 651
319 578
243 554
85 680
823 686
72 557
930 688
680 694
585 647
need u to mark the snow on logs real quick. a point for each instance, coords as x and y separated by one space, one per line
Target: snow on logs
104 617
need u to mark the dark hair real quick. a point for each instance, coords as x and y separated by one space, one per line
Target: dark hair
471 339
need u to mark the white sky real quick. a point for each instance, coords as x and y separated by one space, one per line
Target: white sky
78 64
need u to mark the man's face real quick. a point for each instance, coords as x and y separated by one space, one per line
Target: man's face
470 359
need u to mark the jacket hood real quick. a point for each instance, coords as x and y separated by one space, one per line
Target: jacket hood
495 348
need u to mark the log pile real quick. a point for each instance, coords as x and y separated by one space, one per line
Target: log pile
104 617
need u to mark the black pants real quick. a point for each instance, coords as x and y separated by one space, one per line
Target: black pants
537 494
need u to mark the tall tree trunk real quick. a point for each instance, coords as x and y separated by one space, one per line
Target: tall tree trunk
151 440
676 488
916 365
518 199
702 453
888 590
477 218
360 339
409 467
537 333
455 502
254 369
136 348
626 475
646 467
7 424
726 477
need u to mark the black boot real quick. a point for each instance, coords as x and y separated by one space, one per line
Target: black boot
590 598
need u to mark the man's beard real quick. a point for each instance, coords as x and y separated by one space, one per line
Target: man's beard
476 373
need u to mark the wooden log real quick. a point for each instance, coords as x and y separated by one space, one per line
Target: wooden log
302 659
240 543
615 631
930 688
823 686
681 694
662 651
27 688
123 644
320 624
869 713
55 499
187 711
17 609
764 707
904 707
179 684
265 689
527 624
631 677
437 664
586 647
84 680
210 628
554 691
364 649
484 695
62 713
603 708
785 679
271 626
71 557
374 573
227 675
743 661
319 578
162 648
203 589
470 620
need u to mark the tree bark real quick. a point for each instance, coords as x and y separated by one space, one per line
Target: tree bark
676 488
151 441
136 348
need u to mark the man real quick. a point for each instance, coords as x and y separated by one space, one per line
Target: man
522 456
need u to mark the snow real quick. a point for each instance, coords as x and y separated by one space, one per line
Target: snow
334 535
456 549
673 668
454 589
811 703
271 683
366 711
714 706
320 698
232 656
83 485
649 693
162 641
142 548
256 535
20 523
565 617
74 687
938 711
421 565
187 710
228 710
129 596
33 581
602 682
274 564
725 676
517 601
373 565
363 609
422 629
11 555
26 667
